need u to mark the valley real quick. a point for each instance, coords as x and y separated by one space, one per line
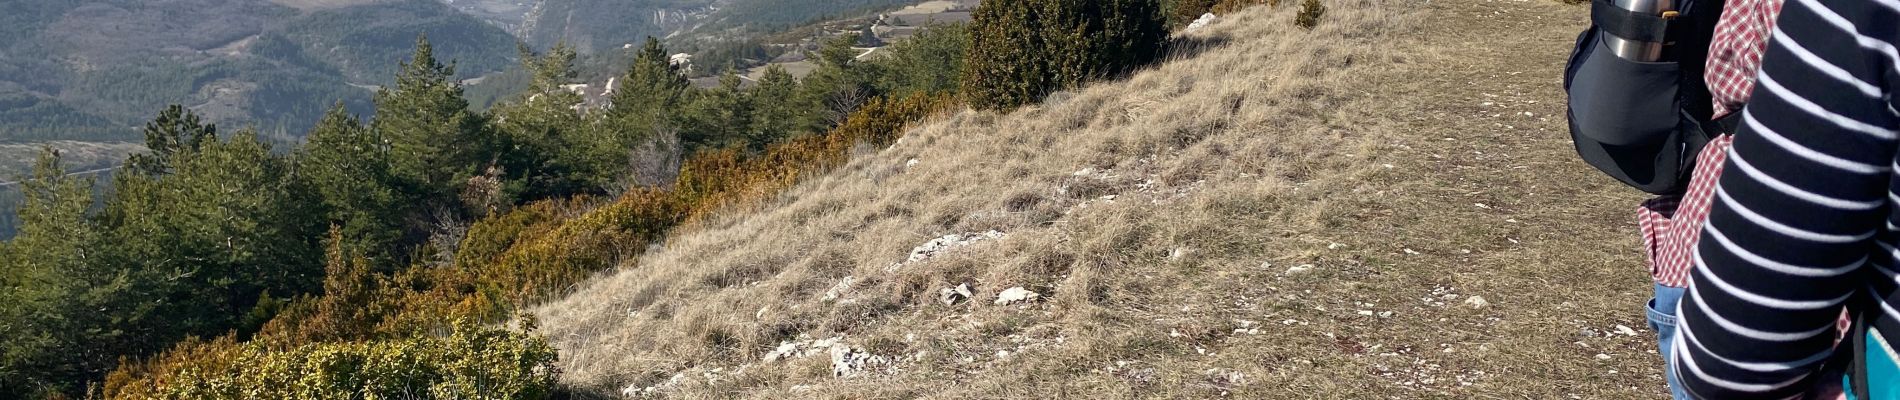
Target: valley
91 70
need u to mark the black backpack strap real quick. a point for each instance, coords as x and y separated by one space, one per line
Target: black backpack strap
1731 123
1860 387
1627 24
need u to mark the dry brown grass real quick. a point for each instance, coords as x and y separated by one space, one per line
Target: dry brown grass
1387 148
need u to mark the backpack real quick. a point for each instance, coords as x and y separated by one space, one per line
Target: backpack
1643 122
1869 371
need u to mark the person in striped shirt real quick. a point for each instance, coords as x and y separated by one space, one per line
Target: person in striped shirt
1803 223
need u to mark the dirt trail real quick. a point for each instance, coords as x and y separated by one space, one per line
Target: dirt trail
1486 111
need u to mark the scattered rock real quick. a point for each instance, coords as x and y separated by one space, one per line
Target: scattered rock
945 243
1299 269
1476 302
912 163
952 296
785 350
1203 22
849 361
1601 356
839 290
1335 246
1226 377
1625 330
797 349
1015 295
1180 253
1246 327
637 391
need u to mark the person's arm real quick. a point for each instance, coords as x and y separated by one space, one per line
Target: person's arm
1802 199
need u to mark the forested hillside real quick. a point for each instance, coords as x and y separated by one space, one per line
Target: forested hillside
92 69
379 231
776 15
593 26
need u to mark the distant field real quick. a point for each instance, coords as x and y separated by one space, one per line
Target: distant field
937 6
16 159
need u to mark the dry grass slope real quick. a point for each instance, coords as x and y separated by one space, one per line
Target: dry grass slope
1285 213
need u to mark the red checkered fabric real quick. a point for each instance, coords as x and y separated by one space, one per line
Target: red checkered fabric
1672 225
1735 51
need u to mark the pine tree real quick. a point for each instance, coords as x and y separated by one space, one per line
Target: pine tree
775 115
175 133
231 222
838 87
545 150
348 166
930 62
646 108
720 117
649 95
434 141
58 300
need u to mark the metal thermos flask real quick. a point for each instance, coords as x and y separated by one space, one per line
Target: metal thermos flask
1634 50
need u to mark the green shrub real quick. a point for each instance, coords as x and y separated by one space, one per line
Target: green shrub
1021 51
473 362
1310 11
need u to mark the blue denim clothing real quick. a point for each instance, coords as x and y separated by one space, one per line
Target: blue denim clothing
1662 319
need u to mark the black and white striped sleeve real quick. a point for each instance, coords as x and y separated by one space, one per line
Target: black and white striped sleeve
1802 206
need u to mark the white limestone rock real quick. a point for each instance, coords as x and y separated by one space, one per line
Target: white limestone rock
1016 295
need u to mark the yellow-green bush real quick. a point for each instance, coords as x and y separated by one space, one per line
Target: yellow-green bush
717 181
473 362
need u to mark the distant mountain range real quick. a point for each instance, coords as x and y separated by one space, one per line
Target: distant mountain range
94 70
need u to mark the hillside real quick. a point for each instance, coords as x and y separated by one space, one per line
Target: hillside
93 69
1382 207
